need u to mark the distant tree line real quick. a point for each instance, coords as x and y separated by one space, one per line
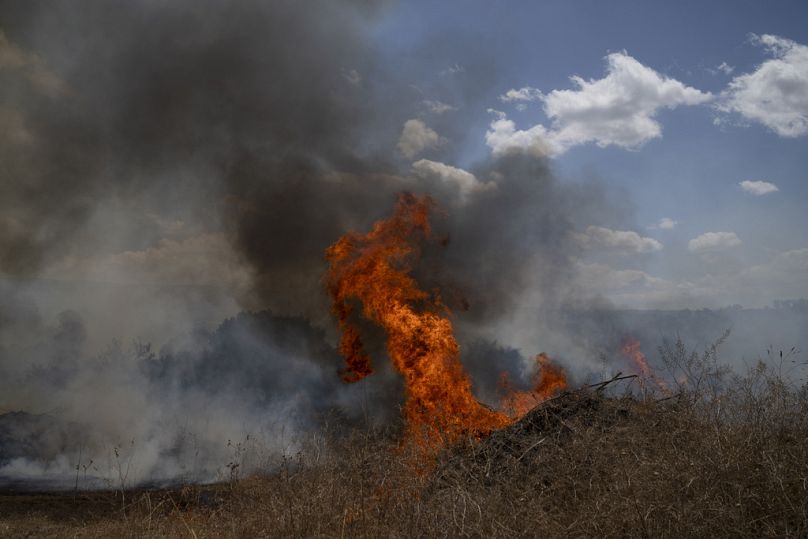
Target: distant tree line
796 304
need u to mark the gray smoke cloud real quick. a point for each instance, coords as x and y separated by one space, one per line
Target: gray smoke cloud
165 164
168 164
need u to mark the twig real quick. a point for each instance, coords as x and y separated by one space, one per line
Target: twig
179 513
530 449
617 377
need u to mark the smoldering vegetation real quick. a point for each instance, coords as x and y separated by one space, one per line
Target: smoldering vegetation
253 389
722 454
254 386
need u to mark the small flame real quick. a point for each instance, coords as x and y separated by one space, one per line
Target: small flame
631 349
548 381
374 269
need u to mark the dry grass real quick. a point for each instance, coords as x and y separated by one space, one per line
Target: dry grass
725 457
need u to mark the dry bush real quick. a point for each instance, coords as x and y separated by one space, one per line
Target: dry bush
721 455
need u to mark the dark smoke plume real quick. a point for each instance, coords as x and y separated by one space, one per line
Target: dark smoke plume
155 136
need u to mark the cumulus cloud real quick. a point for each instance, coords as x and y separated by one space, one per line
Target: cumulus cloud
617 110
625 241
666 223
713 241
776 93
758 188
725 68
503 137
417 137
465 182
525 93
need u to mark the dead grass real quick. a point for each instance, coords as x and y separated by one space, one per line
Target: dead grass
728 458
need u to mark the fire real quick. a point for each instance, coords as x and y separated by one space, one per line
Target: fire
549 380
631 349
373 269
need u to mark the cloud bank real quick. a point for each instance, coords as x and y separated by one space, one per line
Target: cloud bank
617 110
713 241
626 241
776 93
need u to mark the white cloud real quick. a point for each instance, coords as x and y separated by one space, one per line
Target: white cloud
503 137
784 275
453 70
437 107
604 278
713 241
618 110
625 241
788 264
466 182
525 93
417 137
724 68
776 93
666 223
637 289
758 187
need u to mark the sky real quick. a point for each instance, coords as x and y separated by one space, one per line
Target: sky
675 104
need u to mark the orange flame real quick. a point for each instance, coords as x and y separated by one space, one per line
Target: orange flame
548 381
374 269
631 349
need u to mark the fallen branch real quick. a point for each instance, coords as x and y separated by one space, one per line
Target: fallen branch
616 378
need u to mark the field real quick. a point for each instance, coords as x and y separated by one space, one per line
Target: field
716 455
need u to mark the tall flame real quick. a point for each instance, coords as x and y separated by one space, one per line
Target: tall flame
374 270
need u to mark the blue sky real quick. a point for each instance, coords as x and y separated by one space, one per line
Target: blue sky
467 55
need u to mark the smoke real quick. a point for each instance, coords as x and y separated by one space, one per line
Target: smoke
168 164
241 394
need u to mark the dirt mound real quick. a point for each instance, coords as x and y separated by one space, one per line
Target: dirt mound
517 448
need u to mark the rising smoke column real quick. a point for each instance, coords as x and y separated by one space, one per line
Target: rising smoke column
225 117
271 126
268 129
212 109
